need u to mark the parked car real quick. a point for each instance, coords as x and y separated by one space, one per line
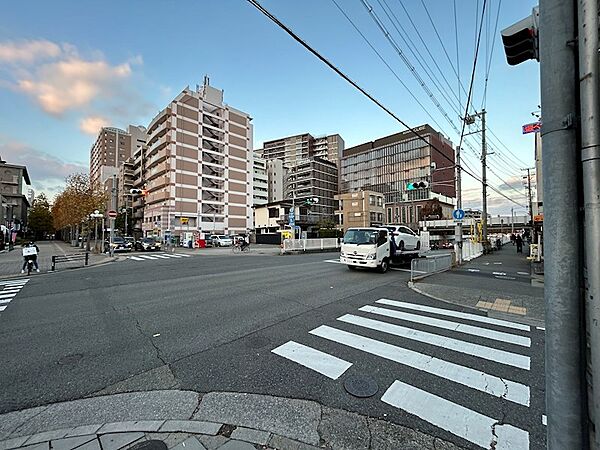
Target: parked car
405 238
118 245
219 240
147 244
130 242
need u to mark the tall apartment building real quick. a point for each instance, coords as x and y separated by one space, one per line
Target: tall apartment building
260 189
387 165
111 148
276 174
293 149
198 166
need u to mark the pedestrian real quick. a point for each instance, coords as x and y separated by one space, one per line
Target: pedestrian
30 253
519 241
513 238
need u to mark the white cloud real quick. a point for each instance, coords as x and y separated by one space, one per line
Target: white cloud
92 124
28 51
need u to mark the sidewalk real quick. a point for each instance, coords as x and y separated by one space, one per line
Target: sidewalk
500 283
186 420
12 262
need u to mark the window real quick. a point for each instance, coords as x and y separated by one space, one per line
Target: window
397 214
379 201
389 215
403 214
372 200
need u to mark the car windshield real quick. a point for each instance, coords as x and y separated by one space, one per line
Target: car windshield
148 241
360 237
118 240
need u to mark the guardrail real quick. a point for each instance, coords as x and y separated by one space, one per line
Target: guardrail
303 245
421 267
70 258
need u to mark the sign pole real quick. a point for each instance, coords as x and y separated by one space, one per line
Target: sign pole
458 227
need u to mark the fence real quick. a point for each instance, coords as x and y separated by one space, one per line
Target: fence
471 250
421 267
303 245
73 258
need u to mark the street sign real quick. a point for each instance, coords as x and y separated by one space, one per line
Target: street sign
184 220
458 214
535 127
292 217
112 213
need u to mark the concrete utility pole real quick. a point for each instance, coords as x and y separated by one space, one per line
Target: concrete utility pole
458 227
590 163
113 206
529 197
562 265
484 177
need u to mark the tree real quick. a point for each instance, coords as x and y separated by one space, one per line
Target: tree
40 220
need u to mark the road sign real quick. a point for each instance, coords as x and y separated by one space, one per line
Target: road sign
458 214
184 220
535 127
292 217
112 213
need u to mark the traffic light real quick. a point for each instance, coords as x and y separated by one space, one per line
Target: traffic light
417 185
312 201
521 39
143 192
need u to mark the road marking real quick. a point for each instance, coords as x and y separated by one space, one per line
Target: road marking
135 258
497 263
184 255
474 270
171 255
334 261
457 314
449 325
8 295
523 273
541 328
469 348
498 273
15 283
147 257
486 264
321 362
544 419
161 256
399 269
490 384
2 308
504 277
13 287
458 420
6 301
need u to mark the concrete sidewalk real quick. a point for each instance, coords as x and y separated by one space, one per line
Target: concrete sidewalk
500 283
187 420
12 262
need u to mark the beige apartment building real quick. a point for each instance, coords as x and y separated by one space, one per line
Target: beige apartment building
360 209
293 149
198 166
111 148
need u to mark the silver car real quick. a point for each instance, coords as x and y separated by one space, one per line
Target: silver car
221 241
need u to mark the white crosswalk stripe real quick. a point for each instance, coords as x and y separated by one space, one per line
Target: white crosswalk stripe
157 256
467 334
8 291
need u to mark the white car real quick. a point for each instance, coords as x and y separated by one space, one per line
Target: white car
405 238
221 241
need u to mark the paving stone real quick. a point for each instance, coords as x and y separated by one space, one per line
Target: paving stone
212 442
191 426
191 444
283 443
83 430
47 436
137 425
117 440
170 439
250 435
71 442
38 446
342 430
12 422
237 445
92 445
13 443
388 436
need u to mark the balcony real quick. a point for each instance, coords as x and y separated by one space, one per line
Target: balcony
213 122
157 144
212 171
212 134
212 159
213 146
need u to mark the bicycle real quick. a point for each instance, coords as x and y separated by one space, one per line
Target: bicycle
237 248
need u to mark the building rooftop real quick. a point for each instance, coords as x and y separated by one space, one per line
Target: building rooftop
391 139
16 166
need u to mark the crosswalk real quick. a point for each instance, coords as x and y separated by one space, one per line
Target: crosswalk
9 289
157 256
478 356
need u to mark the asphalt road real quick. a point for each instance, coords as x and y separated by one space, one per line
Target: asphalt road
211 323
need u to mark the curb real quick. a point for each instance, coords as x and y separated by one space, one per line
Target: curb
49 272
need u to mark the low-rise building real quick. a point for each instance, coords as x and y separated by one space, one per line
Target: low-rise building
15 205
360 209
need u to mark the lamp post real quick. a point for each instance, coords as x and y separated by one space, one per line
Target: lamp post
96 215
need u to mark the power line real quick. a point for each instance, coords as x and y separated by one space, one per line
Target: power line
275 20
457 59
491 54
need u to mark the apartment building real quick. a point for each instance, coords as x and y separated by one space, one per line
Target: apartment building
198 166
293 149
260 189
391 164
360 209
15 205
276 175
111 148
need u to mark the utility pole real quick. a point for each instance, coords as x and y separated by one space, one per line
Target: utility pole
484 178
512 220
529 198
564 372
458 227
114 208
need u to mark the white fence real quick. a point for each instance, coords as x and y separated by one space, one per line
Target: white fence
421 267
302 245
471 250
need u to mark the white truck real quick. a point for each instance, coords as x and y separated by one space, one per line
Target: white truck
372 247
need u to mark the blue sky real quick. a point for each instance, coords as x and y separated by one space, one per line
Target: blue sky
67 67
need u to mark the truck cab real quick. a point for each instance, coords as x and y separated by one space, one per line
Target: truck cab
366 247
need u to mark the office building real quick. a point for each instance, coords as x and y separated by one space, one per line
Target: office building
111 148
293 149
392 164
360 209
198 166
15 205
260 190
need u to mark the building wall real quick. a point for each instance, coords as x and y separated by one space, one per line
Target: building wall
410 213
360 209
260 177
293 149
198 165
13 179
111 148
276 173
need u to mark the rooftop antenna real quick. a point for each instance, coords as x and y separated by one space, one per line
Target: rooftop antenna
206 80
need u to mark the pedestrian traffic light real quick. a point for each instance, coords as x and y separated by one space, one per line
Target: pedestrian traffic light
521 39
417 185
312 201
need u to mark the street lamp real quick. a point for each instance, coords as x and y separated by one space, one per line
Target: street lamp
96 215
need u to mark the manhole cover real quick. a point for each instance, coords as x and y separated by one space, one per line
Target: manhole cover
153 444
361 386
70 359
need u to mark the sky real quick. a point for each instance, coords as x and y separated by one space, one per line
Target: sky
69 67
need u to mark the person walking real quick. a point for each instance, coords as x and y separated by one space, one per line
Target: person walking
519 241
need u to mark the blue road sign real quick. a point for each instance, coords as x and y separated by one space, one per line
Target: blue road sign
458 214
292 217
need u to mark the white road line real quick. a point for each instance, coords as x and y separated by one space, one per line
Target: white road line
4 302
523 273
449 325
399 269
15 283
486 264
541 328
498 273
497 263
2 308
490 384
474 270
504 277
14 287
458 420
334 261
135 258
171 255
324 363
147 257
184 255
469 348
161 256
8 295
544 419
457 314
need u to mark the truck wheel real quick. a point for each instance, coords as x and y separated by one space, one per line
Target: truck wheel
383 267
351 267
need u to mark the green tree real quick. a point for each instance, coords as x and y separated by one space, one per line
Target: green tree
39 219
